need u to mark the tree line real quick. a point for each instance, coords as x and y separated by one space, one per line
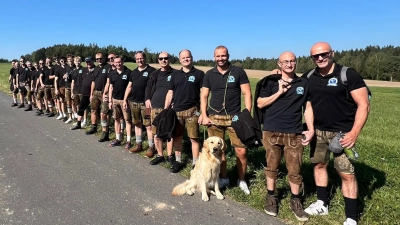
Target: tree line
372 62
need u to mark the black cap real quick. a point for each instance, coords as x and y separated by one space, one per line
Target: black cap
89 59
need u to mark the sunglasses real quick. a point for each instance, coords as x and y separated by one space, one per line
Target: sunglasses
163 58
324 55
41 63
98 59
111 59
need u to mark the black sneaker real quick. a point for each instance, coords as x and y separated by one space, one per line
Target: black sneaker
29 108
176 167
271 207
298 210
39 113
171 159
92 130
114 143
104 137
21 106
51 114
14 104
76 127
158 159
47 112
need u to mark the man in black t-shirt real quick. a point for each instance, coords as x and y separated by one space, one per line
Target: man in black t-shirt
184 94
337 108
156 90
21 79
68 81
11 81
76 88
28 84
134 99
282 101
96 100
119 79
225 82
59 86
47 82
39 89
86 88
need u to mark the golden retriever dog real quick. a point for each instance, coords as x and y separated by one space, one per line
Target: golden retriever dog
205 175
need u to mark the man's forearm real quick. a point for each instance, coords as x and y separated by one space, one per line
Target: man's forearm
360 118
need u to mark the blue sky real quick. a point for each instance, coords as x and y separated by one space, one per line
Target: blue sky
255 28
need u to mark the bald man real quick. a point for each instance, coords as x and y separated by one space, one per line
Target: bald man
283 100
337 108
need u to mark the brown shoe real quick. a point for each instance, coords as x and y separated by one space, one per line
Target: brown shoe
151 151
138 148
271 207
298 210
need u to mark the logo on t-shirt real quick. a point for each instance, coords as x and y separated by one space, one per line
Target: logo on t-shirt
26 69
145 74
300 90
235 118
104 71
191 79
231 79
169 78
124 77
80 71
332 82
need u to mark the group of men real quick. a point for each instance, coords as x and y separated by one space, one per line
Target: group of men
136 97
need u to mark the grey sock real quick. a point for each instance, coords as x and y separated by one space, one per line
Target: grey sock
151 142
194 161
178 158
139 139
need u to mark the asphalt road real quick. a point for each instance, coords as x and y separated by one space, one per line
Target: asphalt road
52 175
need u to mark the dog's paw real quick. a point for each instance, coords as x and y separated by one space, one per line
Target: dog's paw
220 196
189 192
205 197
212 192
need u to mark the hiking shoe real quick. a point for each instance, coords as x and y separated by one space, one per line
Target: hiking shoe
151 151
114 143
64 119
59 117
350 221
76 127
21 106
158 159
176 167
223 183
69 120
29 108
243 186
39 113
171 159
271 206
92 130
104 137
14 104
51 114
138 148
128 145
317 208
298 210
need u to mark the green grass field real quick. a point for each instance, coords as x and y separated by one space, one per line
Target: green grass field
376 169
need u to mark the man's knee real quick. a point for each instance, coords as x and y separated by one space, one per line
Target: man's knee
240 152
320 166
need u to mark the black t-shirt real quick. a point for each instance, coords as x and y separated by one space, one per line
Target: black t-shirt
61 71
87 79
186 87
216 82
12 72
285 114
31 74
120 82
333 111
46 73
139 81
69 71
77 77
158 99
100 78
23 74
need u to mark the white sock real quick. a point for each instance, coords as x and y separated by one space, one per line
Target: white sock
128 138
118 136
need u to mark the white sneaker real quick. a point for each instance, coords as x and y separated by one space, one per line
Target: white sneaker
60 117
350 221
317 208
83 124
68 120
223 182
243 185
75 115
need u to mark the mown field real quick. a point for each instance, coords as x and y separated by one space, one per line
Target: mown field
376 169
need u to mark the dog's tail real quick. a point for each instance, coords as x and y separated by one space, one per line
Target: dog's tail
180 189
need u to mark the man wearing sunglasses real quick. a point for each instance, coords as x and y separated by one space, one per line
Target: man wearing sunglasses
96 100
59 87
11 80
28 85
283 99
68 80
21 79
156 90
334 113
134 99
41 104
76 88
226 82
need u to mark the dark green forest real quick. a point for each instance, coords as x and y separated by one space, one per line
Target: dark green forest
372 62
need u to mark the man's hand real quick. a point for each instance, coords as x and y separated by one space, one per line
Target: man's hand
105 98
56 91
125 105
110 105
72 96
349 140
91 98
308 136
65 76
283 86
148 104
204 120
42 85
